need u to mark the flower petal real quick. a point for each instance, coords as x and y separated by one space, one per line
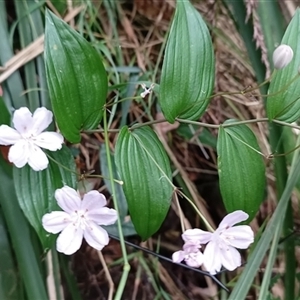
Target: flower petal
37 159
231 258
239 236
42 118
195 259
19 153
212 258
197 235
233 218
103 216
178 256
22 120
49 140
93 200
70 240
68 199
56 221
96 236
8 135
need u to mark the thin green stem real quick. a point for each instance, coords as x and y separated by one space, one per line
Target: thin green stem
286 124
126 267
111 103
208 226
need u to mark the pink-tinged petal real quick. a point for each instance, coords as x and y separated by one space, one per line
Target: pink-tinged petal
22 120
67 199
196 234
19 153
37 159
49 140
233 218
8 135
212 258
195 259
231 258
103 216
56 221
42 118
178 256
239 236
93 200
96 236
70 240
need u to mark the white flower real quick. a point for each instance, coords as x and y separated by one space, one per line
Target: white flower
27 138
220 249
190 254
80 219
146 91
282 56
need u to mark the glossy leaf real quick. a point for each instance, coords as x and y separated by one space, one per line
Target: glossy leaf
283 102
145 170
188 68
35 190
76 79
241 169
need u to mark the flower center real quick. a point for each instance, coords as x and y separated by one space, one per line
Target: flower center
80 219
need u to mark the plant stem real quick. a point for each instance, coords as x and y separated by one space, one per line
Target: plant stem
126 267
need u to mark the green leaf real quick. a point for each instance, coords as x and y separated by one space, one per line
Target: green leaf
188 68
241 169
76 79
35 190
120 197
20 236
283 102
10 284
145 170
4 113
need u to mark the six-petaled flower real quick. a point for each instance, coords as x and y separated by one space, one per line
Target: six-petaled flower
80 219
27 138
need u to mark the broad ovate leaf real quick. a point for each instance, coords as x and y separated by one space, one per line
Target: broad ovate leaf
283 102
188 67
35 190
76 79
144 168
241 169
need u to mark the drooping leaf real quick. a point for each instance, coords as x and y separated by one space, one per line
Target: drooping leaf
188 68
145 170
241 169
35 190
283 102
76 79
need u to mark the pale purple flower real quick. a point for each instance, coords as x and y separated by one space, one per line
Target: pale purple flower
27 138
80 219
190 253
220 250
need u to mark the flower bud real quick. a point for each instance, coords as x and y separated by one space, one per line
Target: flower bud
282 56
